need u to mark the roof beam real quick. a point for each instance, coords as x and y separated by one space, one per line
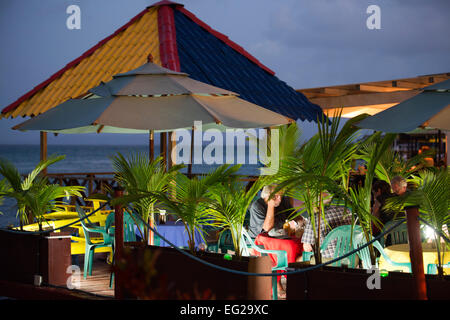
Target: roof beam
377 88
367 99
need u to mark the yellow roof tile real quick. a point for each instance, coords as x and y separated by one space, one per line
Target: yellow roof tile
124 51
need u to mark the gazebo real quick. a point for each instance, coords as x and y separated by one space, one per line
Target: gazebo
176 39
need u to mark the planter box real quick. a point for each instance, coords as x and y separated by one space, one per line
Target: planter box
177 276
351 284
25 255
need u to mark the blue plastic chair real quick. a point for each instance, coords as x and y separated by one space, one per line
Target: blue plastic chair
343 237
282 261
364 253
91 245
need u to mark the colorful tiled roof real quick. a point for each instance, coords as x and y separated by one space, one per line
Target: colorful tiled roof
177 40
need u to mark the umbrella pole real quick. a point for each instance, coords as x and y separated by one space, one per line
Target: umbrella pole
43 148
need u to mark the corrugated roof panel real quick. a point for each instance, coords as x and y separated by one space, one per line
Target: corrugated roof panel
209 59
126 49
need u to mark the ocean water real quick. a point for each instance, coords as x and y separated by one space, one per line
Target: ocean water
82 158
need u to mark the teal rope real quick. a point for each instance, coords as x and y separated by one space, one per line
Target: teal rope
272 274
216 266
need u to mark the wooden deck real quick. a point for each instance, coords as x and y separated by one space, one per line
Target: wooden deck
98 282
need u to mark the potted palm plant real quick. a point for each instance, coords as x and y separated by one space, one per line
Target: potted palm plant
34 195
191 201
432 196
25 254
188 200
371 151
320 165
228 208
137 174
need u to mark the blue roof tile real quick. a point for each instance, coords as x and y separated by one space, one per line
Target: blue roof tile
206 58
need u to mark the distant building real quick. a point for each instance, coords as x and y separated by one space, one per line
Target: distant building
374 97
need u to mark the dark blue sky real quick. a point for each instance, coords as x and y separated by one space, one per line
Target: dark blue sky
307 43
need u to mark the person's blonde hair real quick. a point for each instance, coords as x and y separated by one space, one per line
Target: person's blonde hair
399 181
267 191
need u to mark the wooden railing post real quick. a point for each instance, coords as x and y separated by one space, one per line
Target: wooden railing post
415 252
118 244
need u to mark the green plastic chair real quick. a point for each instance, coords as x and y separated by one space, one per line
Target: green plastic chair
342 235
364 253
282 261
223 244
88 228
398 235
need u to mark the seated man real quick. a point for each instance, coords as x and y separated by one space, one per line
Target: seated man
399 185
335 216
268 215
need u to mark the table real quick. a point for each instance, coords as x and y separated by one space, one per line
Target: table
400 253
176 233
292 246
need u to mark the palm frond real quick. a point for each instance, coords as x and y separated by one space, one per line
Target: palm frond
28 181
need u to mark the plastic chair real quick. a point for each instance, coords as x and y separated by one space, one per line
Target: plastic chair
342 235
398 235
432 268
364 253
224 243
282 261
92 243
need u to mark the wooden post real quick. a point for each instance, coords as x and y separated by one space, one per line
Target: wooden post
415 251
439 140
43 148
172 147
151 145
163 147
118 244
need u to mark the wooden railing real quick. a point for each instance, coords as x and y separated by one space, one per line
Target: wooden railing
100 182
94 182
